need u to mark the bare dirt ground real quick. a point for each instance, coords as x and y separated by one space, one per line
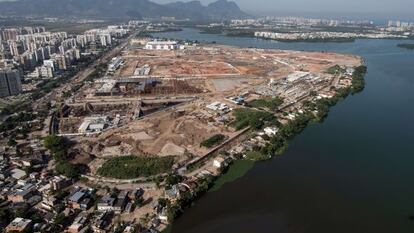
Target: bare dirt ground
216 72
163 134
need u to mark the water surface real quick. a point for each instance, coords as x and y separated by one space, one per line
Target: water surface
353 173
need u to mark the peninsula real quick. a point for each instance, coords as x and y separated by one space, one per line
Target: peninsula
168 117
141 127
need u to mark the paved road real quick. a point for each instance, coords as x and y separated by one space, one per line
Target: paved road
84 73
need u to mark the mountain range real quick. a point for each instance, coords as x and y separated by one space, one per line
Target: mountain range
137 9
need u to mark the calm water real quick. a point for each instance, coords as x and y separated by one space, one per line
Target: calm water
352 173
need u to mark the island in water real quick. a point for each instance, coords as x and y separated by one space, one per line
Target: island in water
406 46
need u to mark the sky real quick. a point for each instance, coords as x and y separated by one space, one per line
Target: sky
361 9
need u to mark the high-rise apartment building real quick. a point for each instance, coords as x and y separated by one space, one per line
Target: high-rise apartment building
10 83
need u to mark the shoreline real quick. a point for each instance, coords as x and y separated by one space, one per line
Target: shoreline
250 34
357 86
199 179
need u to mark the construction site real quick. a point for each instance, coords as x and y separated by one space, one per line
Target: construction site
165 103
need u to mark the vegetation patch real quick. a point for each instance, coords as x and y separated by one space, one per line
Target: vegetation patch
212 141
130 167
279 142
57 146
358 81
336 69
253 118
175 209
13 121
67 169
272 104
257 156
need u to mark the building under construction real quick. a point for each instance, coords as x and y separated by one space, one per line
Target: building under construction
132 86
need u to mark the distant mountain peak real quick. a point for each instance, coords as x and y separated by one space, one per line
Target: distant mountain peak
219 10
224 9
223 3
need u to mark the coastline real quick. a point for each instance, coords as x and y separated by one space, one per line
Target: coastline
300 124
176 207
250 34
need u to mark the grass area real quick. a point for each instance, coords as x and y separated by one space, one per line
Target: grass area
212 141
130 167
269 103
406 46
249 117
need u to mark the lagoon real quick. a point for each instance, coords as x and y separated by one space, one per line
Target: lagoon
352 173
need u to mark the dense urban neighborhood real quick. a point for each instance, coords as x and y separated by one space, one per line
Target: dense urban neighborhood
115 130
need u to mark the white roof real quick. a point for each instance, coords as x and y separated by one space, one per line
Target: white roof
162 42
98 126
17 173
20 222
84 126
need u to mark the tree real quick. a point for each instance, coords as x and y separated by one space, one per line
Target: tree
114 192
213 140
57 146
358 81
5 216
36 217
67 169
138 202
54 143
250 117
22 211
163 202
12 142
272 104
60 219
173 179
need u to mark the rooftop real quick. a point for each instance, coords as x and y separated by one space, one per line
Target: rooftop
20 223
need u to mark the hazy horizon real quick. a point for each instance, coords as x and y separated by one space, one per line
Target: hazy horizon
369 9
350 9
